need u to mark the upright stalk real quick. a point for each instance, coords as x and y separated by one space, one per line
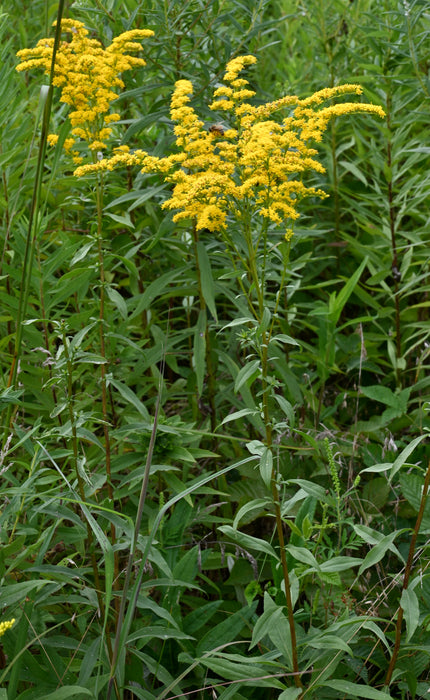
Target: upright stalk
408 570
392 224
208 355
33 220
75 449
104 388
258 284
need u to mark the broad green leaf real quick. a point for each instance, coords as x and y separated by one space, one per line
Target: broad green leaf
411 609
302 554
248 541
206 278
357 690
250 371
380 393
255 447
412 489
290 694
280 635
375 494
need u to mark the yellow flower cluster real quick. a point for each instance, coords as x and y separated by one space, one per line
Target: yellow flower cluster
255 162
5 626
88 75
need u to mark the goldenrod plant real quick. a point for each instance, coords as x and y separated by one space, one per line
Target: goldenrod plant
213 344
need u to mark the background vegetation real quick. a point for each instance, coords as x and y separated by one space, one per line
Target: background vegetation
134 460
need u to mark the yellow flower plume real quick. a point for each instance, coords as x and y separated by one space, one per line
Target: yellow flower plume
253 160
88 76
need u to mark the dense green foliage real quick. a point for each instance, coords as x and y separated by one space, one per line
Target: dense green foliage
152 441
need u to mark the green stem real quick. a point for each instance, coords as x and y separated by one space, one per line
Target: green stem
33 221
211 381
75 448
133 548
266 389
408 570
105 412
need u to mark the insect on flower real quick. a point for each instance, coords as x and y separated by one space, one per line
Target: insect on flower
218 129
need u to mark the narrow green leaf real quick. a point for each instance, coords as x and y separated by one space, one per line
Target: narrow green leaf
264 621
266 466
154 290
117 301
290 694
286 408
330 641
199 353
286 339
352 168
69 691
206 278
409 604
225 631
358 691
18 591
403 456
238 414
340 563
239 669
129 396
378 551
339 300
248 541
255 504
250 371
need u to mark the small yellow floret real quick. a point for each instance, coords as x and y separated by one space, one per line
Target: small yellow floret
5 626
